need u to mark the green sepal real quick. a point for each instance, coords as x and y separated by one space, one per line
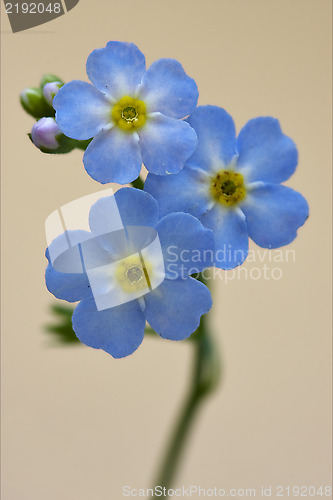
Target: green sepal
83 144
49 78
66 145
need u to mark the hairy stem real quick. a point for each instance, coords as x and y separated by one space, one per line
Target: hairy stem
205 377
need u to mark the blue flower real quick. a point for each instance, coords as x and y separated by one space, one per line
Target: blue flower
232 185
133 114
105 267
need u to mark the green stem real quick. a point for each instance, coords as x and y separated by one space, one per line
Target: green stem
138 183
204 379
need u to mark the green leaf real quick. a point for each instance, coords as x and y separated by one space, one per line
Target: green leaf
60 327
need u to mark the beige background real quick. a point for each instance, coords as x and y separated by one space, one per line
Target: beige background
78 425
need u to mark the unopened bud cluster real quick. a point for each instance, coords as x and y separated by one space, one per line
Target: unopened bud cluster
37 101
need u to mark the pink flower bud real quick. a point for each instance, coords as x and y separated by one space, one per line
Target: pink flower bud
50 90
44 132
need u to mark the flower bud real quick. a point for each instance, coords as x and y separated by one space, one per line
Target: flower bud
33 102
44 133
50 90
48 78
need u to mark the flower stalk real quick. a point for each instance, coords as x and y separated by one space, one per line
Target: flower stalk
205 378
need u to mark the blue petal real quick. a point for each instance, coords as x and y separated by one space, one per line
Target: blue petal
113 156
216 138
166 144
265 153
132 207
174 309
69 256
67 286
167 88
116 69
136 207
64 252
273 214
231 235
187 246
128 207
81 110
118 330
183 192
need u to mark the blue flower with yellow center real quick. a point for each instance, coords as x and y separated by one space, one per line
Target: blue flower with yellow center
233 185
120 285
134 115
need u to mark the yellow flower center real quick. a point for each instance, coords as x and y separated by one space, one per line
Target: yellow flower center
133 274
129 113
227 187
